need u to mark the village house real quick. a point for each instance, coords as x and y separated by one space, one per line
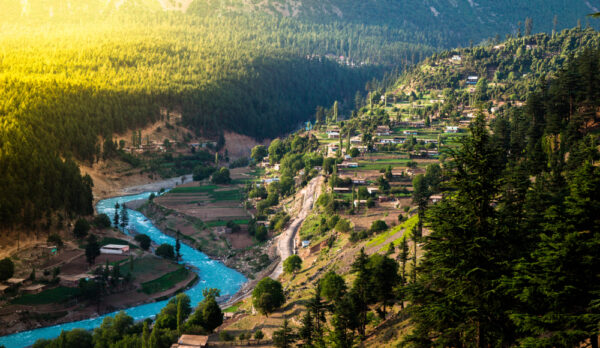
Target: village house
191 341
356 140
472 80
357 202
33 289
430 141
451 129
333 134
270 180
397 174
264 223
456 59
332 149
382 131
359 181
348 165
14 282
72 281
409 132
387 141
372 190
361 149
115 249
341 190
414 171
435 198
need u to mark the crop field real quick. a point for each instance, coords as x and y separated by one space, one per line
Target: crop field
56 295
165 282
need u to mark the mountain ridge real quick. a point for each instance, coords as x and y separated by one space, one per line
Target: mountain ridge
461 20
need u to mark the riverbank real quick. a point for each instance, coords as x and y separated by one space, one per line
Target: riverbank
211 274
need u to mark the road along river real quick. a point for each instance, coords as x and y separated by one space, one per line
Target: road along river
213 274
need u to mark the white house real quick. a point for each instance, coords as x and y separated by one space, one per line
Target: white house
333 135
116 249
372 190
451 129
472 80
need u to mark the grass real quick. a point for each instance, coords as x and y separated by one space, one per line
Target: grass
232 309
143 265
165 282
194 189
226 195
224 223
407 226
56 295
309 228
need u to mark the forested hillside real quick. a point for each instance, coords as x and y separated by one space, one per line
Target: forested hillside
70 82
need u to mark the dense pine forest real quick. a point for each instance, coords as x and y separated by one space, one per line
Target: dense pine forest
104 77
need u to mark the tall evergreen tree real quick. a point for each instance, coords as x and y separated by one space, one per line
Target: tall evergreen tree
558 285
456 300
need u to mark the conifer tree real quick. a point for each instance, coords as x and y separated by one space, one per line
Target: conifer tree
116 216
456 299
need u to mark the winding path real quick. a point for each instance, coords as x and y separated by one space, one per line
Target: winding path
285 241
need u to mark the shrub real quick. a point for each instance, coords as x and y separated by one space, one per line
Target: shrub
378 226
143 240
343 225
202 172
55 239
261 233
225 336
82 227
332 221
102 221
292 264
267 296
221 177
166 251
240 162
7 269
234 226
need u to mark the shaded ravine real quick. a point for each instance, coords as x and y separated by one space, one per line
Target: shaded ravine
213 274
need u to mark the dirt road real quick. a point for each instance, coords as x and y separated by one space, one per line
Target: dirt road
158 185
286 240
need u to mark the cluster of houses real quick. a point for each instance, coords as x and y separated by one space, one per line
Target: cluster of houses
23 286
149 147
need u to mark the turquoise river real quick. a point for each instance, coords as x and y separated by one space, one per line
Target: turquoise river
213 274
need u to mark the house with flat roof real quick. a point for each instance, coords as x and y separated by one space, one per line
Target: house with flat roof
191 341
115 249
33 289
383 130
333 134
